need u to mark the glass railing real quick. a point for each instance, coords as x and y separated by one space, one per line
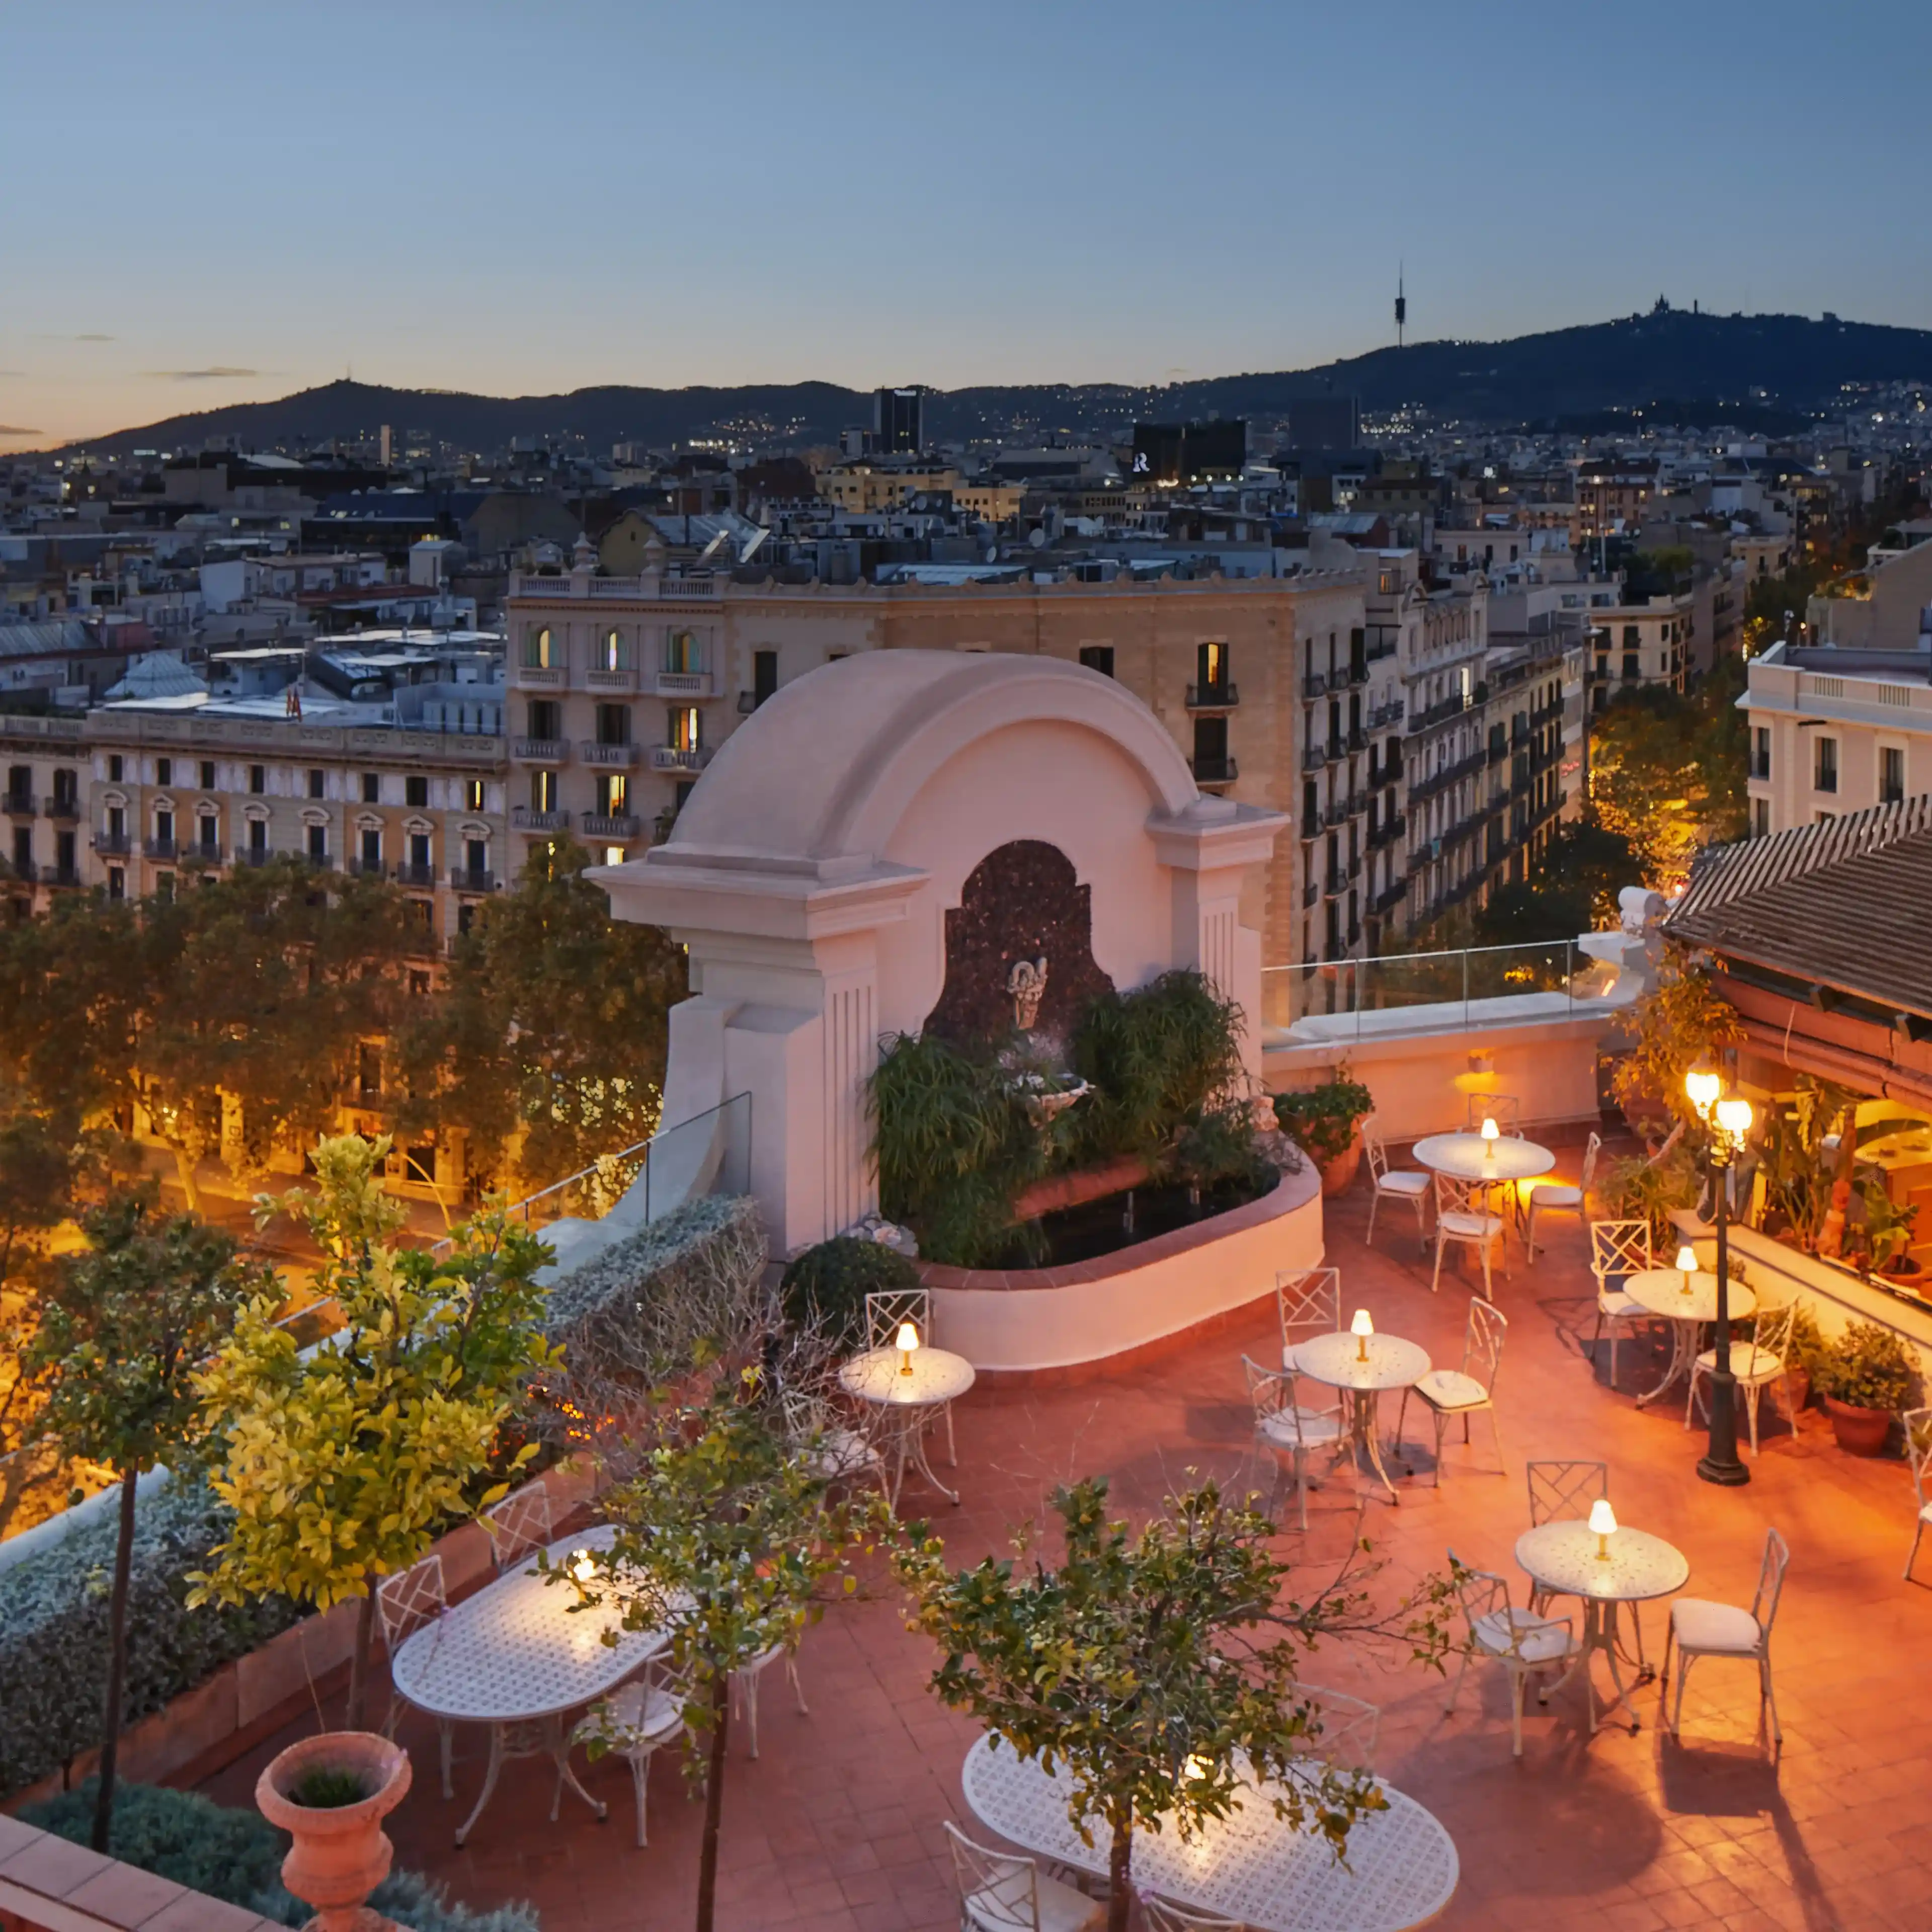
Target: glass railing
1419 992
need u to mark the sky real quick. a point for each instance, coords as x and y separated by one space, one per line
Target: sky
204 203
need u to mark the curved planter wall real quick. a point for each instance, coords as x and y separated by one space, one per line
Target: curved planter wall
1064 1319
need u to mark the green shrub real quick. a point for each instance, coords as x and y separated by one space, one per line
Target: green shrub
53 1628
1867 1367
1322 1120
235 1855
1641 1190
827 1284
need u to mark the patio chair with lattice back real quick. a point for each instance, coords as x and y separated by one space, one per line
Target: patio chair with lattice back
1523 1642
1464 1215
1448 1392
1309 1303
1505 1109
1756 1364
636 1722
518 1525
1618 1250
835 1451
1558 1197
1349 1727
405 1603
1918 1454
886 1310
1562 1492
1285 1430
1701 1628
1165 1914
999 1892
1394 1183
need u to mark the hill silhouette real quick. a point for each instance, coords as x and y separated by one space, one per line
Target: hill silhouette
1775 368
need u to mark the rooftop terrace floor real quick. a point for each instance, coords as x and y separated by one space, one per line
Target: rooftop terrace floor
837 1827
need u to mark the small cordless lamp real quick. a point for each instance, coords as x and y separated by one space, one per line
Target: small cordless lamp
908 1340
1686 1264
1489 1128
1603 1527
1361 1328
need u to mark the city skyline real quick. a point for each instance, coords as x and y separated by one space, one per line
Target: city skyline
484 200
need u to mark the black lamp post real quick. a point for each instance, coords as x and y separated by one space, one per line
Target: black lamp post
1727 1122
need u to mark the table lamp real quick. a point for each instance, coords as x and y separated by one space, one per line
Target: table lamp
1686 1264
1603 1527
908 1340
1488 1141
1361 1328
581 1569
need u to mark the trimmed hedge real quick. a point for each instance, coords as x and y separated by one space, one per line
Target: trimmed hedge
53 1629
828 1284
236 1855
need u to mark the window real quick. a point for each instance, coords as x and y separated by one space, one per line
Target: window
114 767
1632 637
1210 750
685 728
613 723
207 774
318 842
164 828
681 653
1891 774
614 794
317 783
419 1165
372 788
372 850
543 791
1760 818
1761 751
613 652
476 856
539 651
472 794
416 792
546 717
258 778
210 834
1210 668
1098 657
258 835
368 1072
20 786
764 676
164 771
117 883
1631 670
1825 765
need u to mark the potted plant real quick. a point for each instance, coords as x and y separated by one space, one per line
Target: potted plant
1890 1229
1801 1356
1326 1123
331 1794
1865 1377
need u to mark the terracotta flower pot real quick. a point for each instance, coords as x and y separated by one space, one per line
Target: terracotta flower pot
341 1853
1338 1175
1861 1432
1798 1379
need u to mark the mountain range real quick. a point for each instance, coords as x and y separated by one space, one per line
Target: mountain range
1668 365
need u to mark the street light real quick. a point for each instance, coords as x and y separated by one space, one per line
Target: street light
1727 1122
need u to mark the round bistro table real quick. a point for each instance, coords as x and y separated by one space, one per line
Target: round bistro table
1251 1866
1338 1361
1560 1556
1470 1157
516 1657
1660 1291
907 1402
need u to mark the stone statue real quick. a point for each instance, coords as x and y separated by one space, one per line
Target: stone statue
1026 983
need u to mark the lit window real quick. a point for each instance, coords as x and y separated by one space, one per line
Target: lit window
686 724
537 649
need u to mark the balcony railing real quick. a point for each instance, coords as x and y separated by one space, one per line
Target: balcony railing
165 849
473 879
618 825
113 844
18 804
623 756
411 873
257 855
540 677
1224 696
528 818
683 684
540 751
63 811
1215 771
676 758
1387 830
1313 758
1451 706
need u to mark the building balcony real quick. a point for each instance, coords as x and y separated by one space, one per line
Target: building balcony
621 678
165 850
203 852
683 683
322 862
1358 738
1315 684
1214 697
538 677
473 879
675 758
528 818
365 868
620 826
1215 771
1313 758
62 878
1311 893
1388 831
18 805
621 757
423 877
1336 883
63 811
1358 673
113 844
256 855
1452 706
540 751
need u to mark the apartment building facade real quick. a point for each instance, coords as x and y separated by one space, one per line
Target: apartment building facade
1835 730
44 807
1651 643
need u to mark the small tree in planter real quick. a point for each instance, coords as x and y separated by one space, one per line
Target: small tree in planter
1866 1378
1326 1122
728 1536
343 1464
1683 1022
1146 1663
122 1329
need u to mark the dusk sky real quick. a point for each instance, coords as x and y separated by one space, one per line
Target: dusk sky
208 204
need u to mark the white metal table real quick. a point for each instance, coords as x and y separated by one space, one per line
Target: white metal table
517 1657
907 1390
1663 1291
1401 1872
1470 1157
1561 1557
1362 1367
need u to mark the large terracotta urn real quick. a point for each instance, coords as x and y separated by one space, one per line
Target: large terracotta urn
1861 1432
341 1853
1338 1175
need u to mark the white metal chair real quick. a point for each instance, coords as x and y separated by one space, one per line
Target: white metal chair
1284 1429
1521 1641
1756 1364
405 1603
745 1684
1701 1628
634 1723
1395 1184
1349 1728
1000 1893
1618 1250
835 1451
518 1525
1462 1215
1163 1915
1561 1493
885 1310
1309 1303
1505 1109
1549 1197
1918 1454
1449 1393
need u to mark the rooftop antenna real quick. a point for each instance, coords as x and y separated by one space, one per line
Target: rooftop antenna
1401 306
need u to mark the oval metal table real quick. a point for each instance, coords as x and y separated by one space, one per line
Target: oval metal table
1252 1866
518 1657
1561 1557
907 1392
1362 1367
